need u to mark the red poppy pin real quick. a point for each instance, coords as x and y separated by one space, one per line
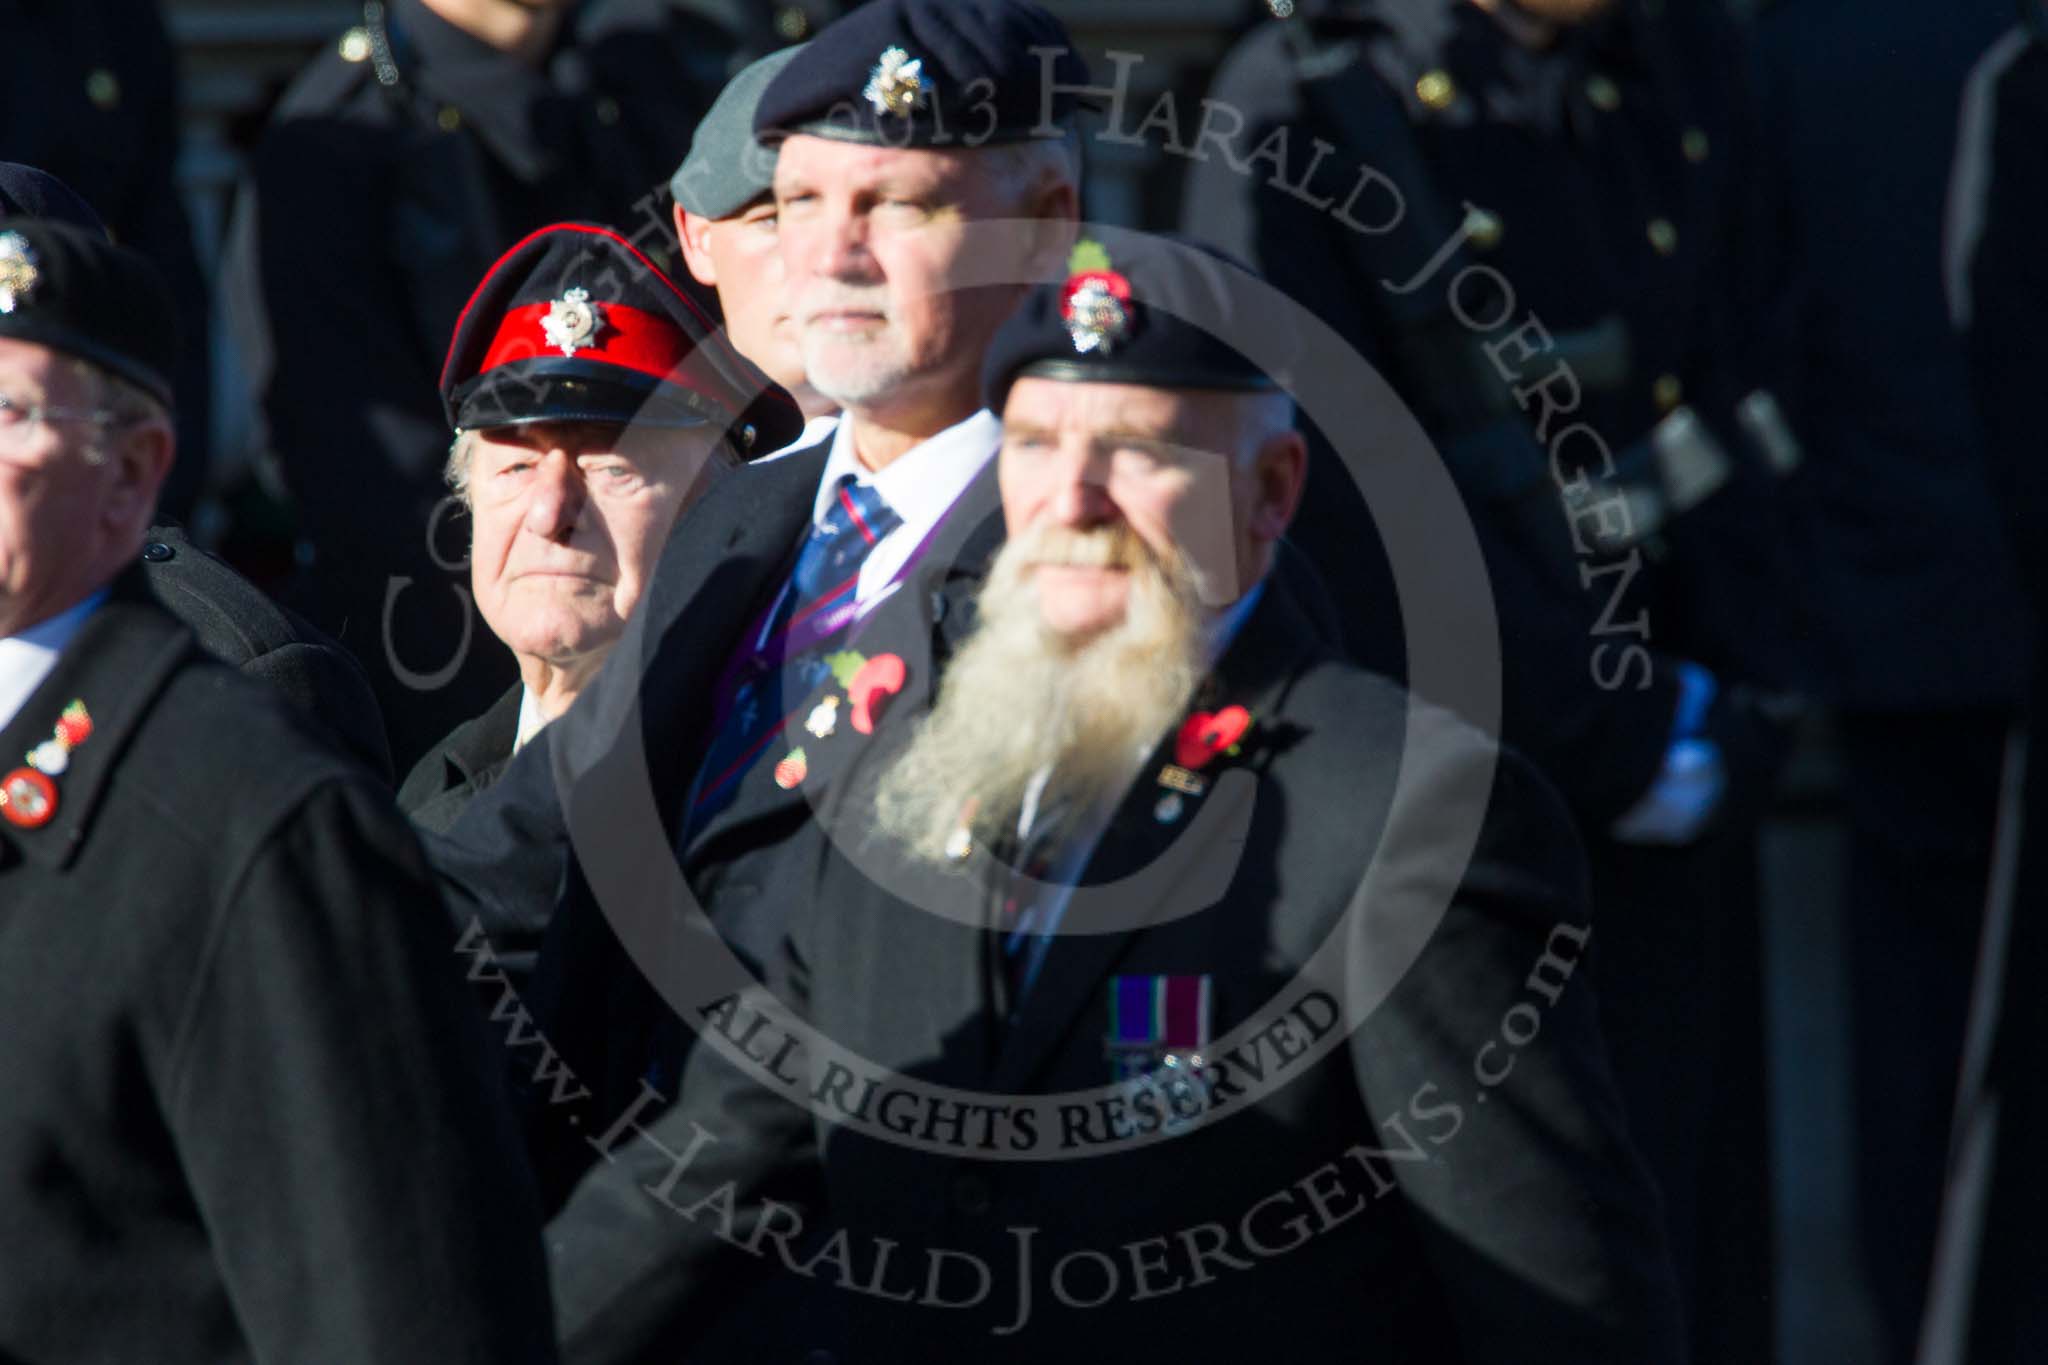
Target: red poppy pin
28 796
1096 304
877 680
1206 734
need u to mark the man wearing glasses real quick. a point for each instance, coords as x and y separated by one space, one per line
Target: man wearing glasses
248 1114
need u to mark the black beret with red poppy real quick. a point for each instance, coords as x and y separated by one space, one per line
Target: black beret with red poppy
575 324
1165 311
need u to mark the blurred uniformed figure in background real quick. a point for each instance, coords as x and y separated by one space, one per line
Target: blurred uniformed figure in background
1916 608
91 96
400 164
1534 217
1987 1307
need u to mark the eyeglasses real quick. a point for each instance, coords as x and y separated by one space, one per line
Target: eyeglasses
19 421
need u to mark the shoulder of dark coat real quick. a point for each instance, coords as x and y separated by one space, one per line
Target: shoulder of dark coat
474 745
1367 739
233 619
1258 73
325 85
222 761
237 623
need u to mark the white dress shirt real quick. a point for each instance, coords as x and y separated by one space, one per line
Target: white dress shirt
531 720
920 485
28 658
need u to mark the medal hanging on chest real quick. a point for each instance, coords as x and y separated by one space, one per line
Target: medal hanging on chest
28 795
1157 1021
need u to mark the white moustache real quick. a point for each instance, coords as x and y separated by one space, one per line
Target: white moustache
1057 547
836 300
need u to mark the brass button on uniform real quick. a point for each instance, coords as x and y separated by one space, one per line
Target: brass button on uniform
1663 236
1695 145
355 45
607 110
1482 228
450 118
103 88
792 23
1667 392
1603 94
1436 89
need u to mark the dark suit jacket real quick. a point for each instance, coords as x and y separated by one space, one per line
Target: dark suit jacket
247 1109
505 861
1510 1222
614 772
474 755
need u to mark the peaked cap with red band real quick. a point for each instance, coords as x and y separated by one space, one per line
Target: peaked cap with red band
574 324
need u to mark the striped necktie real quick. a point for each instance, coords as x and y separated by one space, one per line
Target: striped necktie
827 576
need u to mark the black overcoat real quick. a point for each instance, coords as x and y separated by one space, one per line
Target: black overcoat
246 1111
1516 1224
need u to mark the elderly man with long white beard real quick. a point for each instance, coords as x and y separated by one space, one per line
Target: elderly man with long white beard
1169 986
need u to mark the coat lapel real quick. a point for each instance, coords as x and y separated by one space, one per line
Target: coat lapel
719 571
115 665
1255 672
484 744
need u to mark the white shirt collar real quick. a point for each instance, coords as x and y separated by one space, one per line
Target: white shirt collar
531 721
924 481
920 486
28 658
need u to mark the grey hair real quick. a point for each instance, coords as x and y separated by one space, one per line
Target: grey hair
1263 414
456 472
1022 168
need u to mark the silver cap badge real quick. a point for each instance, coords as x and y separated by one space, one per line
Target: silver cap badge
18 271
571 321
897 84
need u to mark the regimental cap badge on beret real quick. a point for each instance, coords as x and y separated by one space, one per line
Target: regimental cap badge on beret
19 271
1096 303
897 85
571 321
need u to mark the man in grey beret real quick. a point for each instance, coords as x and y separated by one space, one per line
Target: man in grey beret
725 221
